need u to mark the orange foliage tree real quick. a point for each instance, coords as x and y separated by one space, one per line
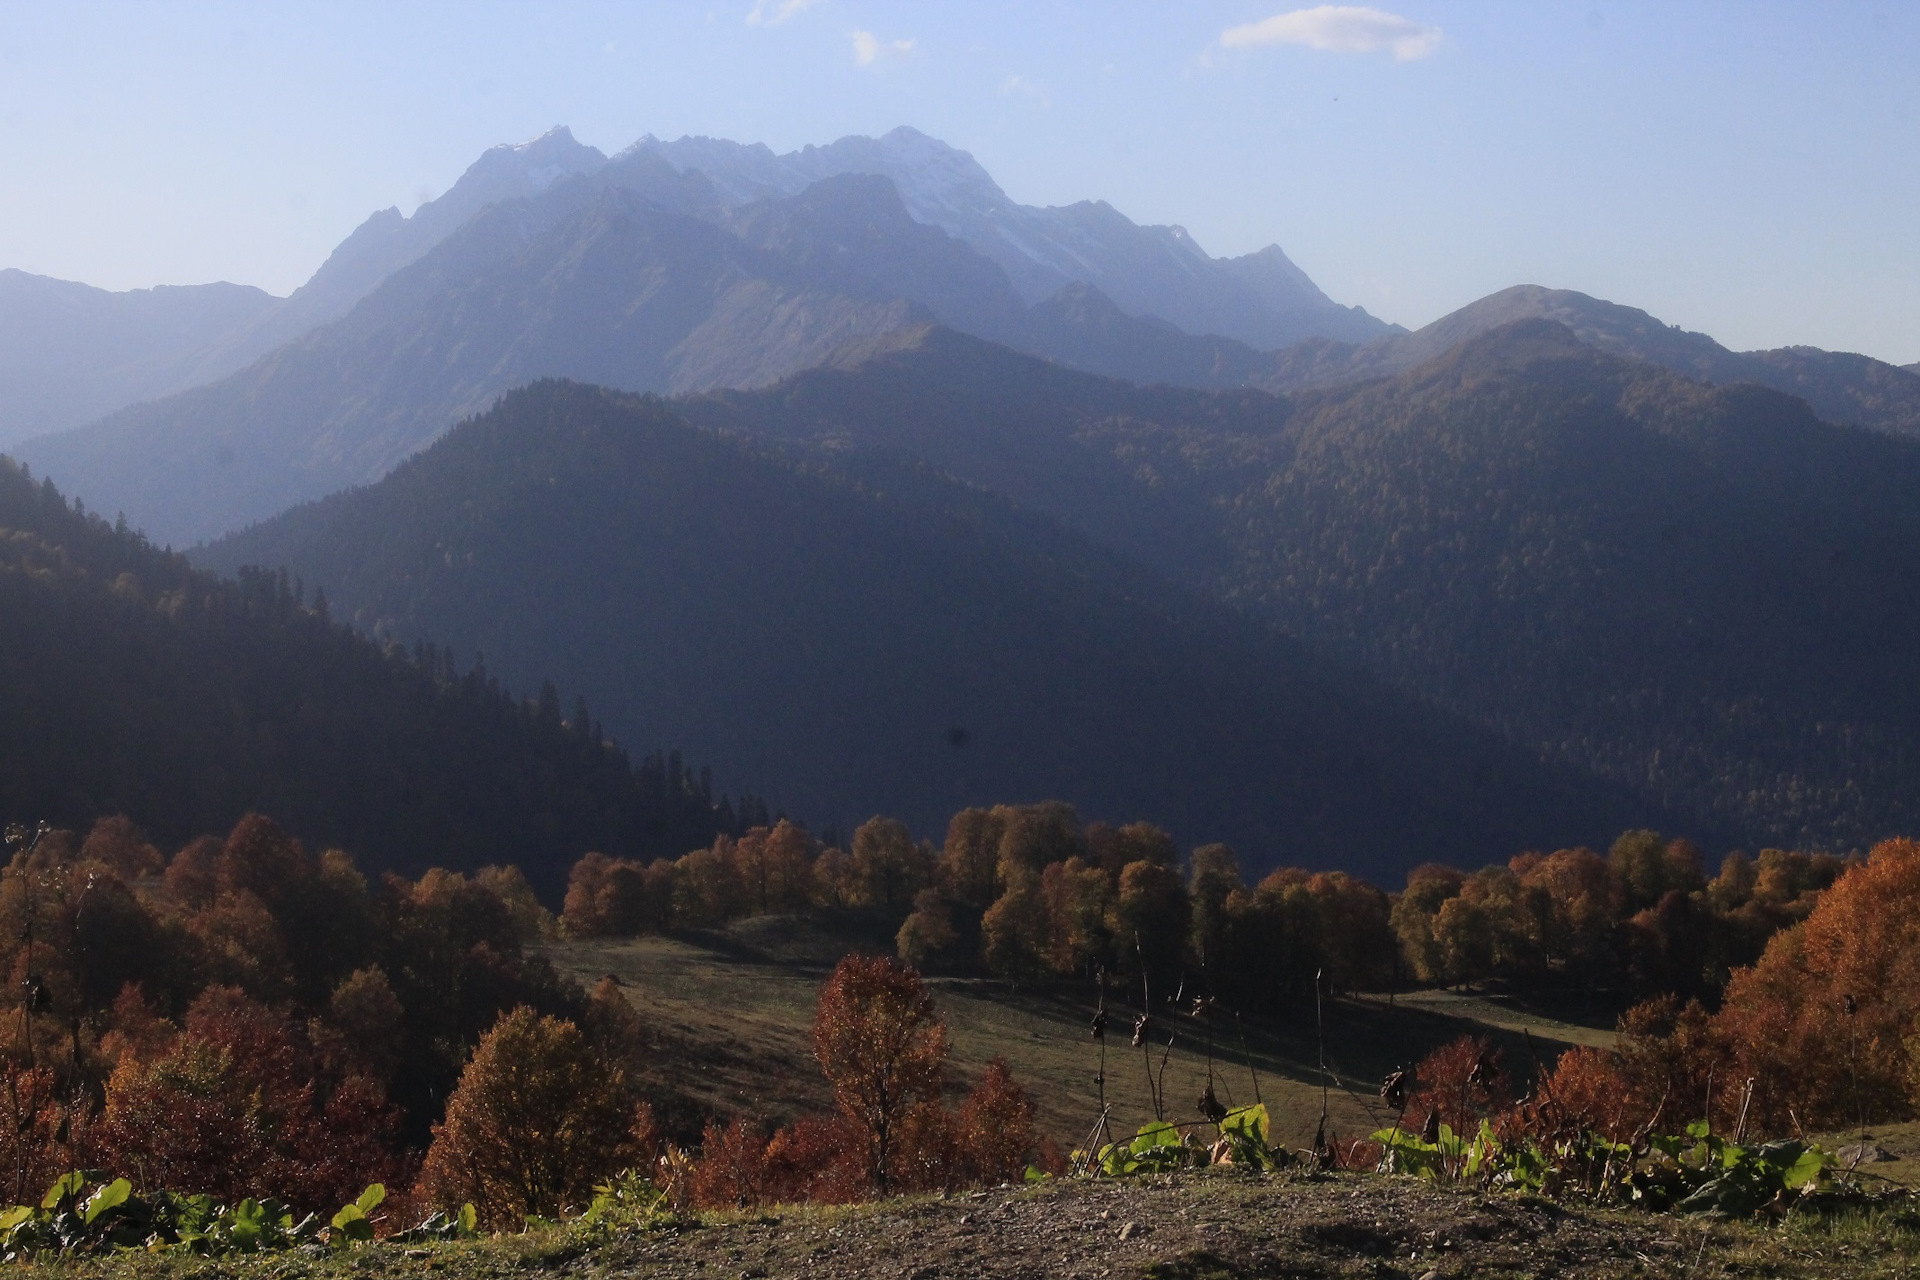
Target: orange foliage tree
236 1106
883 1049
1825 1023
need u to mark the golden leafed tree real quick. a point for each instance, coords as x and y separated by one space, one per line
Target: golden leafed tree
538 1118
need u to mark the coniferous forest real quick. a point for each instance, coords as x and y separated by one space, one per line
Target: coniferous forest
135 684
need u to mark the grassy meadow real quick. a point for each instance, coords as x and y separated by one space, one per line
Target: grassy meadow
729 1014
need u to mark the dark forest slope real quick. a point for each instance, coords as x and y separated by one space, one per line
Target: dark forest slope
865 636
1703 592
130 683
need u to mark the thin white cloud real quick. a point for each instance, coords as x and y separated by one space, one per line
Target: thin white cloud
1339 28
869 48
769 13
1020 86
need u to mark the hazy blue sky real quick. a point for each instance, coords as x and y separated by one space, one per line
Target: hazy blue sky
1748 169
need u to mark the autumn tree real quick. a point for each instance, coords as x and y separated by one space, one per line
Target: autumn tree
537 1119
886 867
970 858
928 936
1429 886
1149 917
1212 876
1825 1022
883 1048
1076 897
994 1129
236 1106
775 867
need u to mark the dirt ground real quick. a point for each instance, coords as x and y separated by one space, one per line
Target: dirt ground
1195 1226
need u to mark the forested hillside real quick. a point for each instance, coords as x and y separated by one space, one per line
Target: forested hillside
856 634
1699 592
130 683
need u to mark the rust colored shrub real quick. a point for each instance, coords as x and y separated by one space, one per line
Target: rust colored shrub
883 1048
135 1028
41 1136
537 1119
731 1170
818 1160
928 1152
1670 1057
1587 1092
233 1108
1460 1082
995 1127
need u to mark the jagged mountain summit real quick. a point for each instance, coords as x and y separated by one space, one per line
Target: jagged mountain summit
76 355
635 276
1261 299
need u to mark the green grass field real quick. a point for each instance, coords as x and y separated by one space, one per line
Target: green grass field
730 1016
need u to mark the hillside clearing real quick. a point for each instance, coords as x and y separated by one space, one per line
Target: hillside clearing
729 1018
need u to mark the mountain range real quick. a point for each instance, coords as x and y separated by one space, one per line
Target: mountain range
1581 554
81 353
946 508
70 353
882 639
687 266
628 272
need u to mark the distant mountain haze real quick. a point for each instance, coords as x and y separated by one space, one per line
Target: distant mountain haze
858 634
701 264
70 353
1840 386
642 288
80 365
1261 299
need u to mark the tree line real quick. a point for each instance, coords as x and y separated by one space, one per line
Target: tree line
1030 892
243 1018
